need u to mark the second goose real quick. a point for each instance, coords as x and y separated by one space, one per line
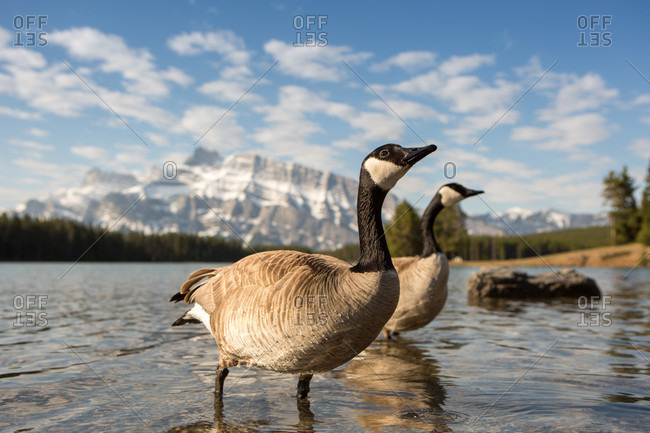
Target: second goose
423 278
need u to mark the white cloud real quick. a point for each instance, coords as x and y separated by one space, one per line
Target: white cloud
314 63
19 114
640 147
469 94
464 93
567 134
234 83
467 161
136 66
471 127
457 65
198 121
642 99
288 131
29 144
62 174
57 90
224 42
158 139
409 60
21 57
90 152
579 94
410 110
225 91
38 132
572 120
569 191
377 127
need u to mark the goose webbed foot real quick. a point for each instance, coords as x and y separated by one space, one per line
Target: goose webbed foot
303 385
390 335
221 374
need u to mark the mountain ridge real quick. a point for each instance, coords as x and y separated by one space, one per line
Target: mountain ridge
254 199
243 196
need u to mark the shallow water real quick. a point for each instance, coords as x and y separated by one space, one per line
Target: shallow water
100 355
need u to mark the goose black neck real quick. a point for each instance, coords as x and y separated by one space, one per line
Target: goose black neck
375 256
429 243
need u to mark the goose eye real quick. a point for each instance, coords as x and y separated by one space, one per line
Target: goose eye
383 153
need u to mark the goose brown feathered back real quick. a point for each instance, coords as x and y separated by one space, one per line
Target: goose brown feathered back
294 312
423 278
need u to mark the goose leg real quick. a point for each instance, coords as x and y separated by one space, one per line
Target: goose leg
305 416
221 373
386 333
303 385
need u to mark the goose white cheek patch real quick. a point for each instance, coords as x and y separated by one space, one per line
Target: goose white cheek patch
384 173
449 196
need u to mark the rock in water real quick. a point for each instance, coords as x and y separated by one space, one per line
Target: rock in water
504 282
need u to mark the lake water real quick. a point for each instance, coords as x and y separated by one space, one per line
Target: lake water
100 355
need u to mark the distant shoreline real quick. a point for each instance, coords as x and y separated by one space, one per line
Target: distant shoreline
619 256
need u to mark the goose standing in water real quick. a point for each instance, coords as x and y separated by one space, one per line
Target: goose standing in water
293 312
423 278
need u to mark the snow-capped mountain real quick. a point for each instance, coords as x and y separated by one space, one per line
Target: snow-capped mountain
254 199
524 221
243 196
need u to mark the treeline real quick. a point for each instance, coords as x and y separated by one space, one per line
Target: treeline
28 239
25 238
510 247
515 247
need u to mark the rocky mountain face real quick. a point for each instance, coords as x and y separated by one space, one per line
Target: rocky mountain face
525 221
253 199
243 196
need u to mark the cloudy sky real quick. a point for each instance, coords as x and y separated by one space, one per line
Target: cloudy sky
534 103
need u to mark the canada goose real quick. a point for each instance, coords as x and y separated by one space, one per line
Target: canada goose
423 288
293 312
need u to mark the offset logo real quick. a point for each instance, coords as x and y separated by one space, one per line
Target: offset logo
593 312
310 310
593 30
30 310
29 30
309 30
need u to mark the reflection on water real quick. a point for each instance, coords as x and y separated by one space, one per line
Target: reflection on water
305 422
399 385
106 359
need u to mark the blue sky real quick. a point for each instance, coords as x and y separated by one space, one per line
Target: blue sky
457 75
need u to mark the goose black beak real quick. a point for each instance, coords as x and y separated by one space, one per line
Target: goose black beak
471 192
415 154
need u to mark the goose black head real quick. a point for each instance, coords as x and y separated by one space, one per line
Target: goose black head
452 193
388 163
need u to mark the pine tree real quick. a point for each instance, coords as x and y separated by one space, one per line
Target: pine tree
619 194
449 230
403 233
644 216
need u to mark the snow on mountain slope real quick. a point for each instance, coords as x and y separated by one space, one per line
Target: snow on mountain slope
524 221
254 199
244 196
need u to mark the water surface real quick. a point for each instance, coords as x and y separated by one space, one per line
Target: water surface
100 355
